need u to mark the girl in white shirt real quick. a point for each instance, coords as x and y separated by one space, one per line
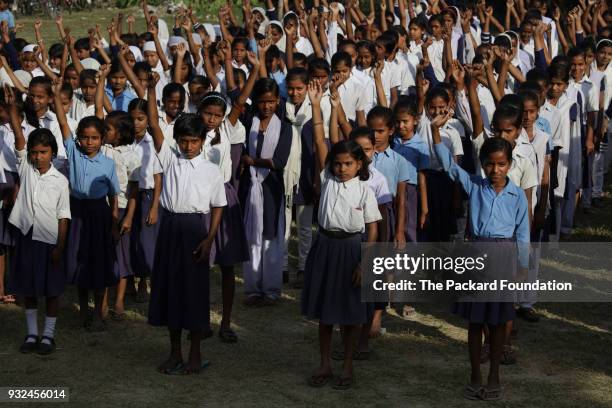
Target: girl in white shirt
192 203
41 215
332 278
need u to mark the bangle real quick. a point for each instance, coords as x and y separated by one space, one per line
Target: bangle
317 123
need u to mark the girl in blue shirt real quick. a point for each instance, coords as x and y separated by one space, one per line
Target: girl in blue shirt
90 255
498 212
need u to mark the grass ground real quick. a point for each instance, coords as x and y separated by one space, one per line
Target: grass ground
563 361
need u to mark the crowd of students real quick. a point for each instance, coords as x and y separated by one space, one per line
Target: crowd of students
157 155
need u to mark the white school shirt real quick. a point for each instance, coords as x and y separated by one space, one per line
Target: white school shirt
43 199
590 95
436 55
487 107
190 186
220 153
449 135
416 49
126 163
167 129
606 75
352 97
347 206
80 110
391 77
379 186
304 46
8 160
539 144
407 72
369 87
49 121
551 113
242 67
148 163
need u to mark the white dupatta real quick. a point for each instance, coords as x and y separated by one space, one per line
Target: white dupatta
569 137
293 168
254 209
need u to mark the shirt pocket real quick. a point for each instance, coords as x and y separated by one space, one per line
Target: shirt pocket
356 220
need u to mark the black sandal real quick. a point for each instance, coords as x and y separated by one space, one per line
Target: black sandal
44 348
29 347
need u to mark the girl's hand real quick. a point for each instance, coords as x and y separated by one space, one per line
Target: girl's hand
399 241
59 20
152 216
315 92
556 14
126 226
489 12
130 19
103 72
246 160
253 60
124 50
57 86
335 99
181 50
56 255
356 280
9 95
440 120
202 252
153 79
423 219
152 28
37 24
379 66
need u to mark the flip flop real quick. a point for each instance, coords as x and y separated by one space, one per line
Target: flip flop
342 383
227 335
472 393
176 370
490 394
318 381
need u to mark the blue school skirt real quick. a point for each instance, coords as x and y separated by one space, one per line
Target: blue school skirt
441 223
231 246
123 266
33 272
491 313
179 285
90 250
328 294
143 236
6 190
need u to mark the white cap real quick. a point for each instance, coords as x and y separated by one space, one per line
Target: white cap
176 40
90 63
137 54
28 48
210 30
149 46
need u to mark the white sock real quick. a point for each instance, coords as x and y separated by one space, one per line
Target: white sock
49 329
32 321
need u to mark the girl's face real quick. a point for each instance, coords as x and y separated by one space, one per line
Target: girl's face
530 114
496 168
557 87
90 141
88 87
141 121
507 130
437 106
190 146
415 33
604 55
578 67
321 76
366 145
184 73
590 57
196 93
131 60
212 116
111 134
4 115
71 77
143 78
365 59
350 50
239 52
375 31
296 90
405 124
117 81
66 101
55 62
151 58
345 167
382 132
28 61
436 29
343 70
448 22
39 98
267 104
381 53
172 104
275 33
40 156
526 33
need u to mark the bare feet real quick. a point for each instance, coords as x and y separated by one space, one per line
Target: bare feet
172 365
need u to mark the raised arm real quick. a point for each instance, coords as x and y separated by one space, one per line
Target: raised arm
59 111
43 66
314 38
73 54
477 124
380 90
223 16
188 27
102 102
315 92
156 132
97 45
9 71
208 68
240 102
179 60
158 48
129 72
14 119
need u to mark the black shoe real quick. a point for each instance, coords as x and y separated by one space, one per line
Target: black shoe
29 347
528 314
285 277
44 348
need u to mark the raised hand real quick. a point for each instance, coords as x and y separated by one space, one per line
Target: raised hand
315 92
103 72
334 98
253 60
458 72
9 95
441 119
181 50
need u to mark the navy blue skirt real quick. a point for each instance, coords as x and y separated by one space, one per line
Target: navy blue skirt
490 313
143 236
411 204
179 285
328 294
6 190
231 246
123 266
90 250
33 273
235 154
441 223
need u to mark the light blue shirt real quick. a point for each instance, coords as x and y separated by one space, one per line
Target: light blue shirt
544 125
279 78
415 151
90 178
121 101
492 215
9 17
395 168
